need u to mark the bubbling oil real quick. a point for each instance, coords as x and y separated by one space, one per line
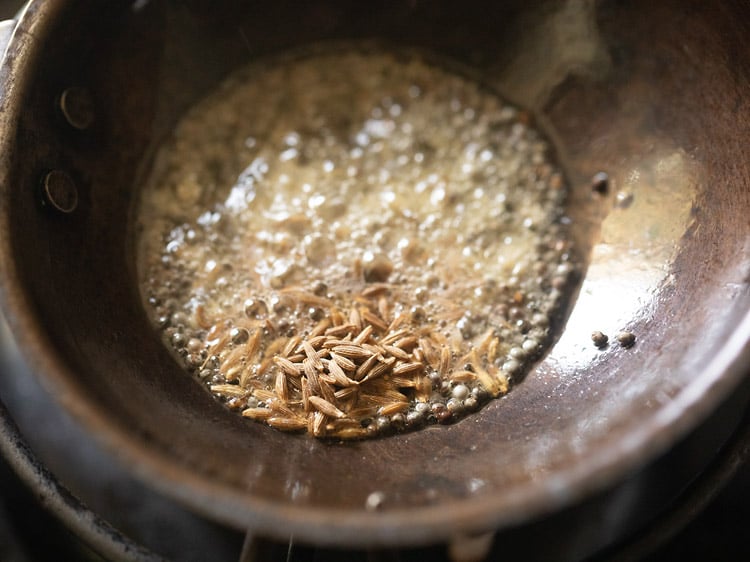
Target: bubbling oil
354 242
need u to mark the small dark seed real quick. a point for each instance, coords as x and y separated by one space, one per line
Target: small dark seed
626 339
320 289
600 339
442 413
377 269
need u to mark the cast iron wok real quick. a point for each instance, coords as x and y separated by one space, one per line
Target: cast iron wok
654 93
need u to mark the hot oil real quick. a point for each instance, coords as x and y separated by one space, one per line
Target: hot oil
354 242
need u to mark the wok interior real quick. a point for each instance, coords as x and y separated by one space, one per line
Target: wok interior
655 94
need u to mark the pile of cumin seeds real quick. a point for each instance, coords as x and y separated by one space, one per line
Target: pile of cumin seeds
357 373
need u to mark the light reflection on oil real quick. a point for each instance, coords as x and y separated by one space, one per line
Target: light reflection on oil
630 263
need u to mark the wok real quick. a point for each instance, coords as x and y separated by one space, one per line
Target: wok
591 443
